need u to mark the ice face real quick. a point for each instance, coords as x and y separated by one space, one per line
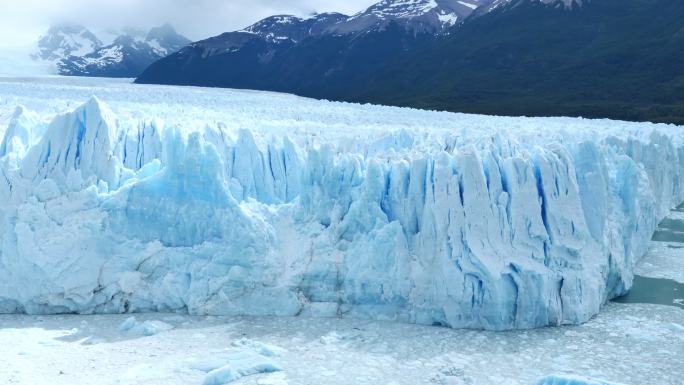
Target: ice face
537 222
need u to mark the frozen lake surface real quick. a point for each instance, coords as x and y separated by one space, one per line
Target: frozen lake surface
628 343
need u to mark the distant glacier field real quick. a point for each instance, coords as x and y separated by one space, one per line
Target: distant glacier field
120 198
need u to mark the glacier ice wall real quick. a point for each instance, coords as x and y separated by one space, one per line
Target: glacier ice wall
480 229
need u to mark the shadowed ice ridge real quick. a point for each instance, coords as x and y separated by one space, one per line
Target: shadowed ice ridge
495 232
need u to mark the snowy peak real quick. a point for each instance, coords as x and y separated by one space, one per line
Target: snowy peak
165 39
433 16
279 38
404 9
390 9
65 40
77 51
429 15
567 4
288 27
421 15
162 32
268 34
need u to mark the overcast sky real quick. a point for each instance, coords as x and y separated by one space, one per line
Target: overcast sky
22 21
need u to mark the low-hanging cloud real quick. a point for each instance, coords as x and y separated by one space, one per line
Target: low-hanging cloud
21 21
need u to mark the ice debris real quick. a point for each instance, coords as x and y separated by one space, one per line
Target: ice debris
145 328
231 366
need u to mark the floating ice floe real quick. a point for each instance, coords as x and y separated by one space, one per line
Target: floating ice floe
145 328
233 365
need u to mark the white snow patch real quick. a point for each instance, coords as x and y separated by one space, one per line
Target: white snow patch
449 19
469 5
158 49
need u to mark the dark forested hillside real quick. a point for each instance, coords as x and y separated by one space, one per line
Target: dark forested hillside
611 58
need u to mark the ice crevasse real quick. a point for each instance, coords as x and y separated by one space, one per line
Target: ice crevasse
477 229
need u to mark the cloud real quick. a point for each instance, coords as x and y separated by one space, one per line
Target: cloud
22 21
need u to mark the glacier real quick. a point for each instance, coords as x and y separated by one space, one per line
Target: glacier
222 202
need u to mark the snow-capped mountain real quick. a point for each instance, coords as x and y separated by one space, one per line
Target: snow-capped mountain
266 37
165 40
431 16
495 4
64 40
287 27
76 51
421 15
239 53
418 15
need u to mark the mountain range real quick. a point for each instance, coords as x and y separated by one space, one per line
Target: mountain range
593 58
76 51
292 54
